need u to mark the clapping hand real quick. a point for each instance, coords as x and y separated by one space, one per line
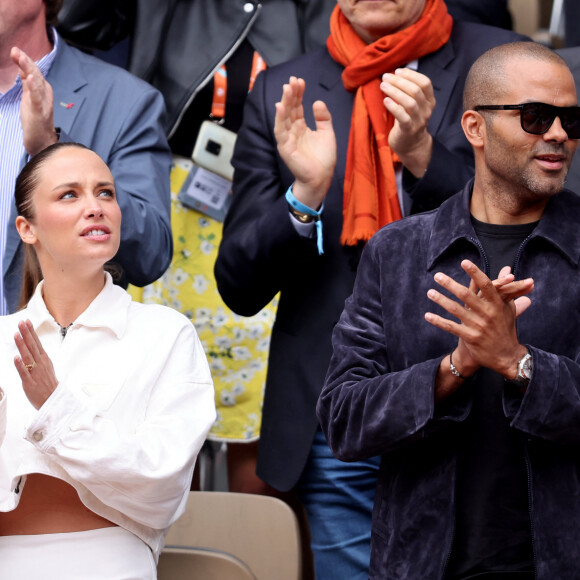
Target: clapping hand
36 107
410 99
487 312
310 155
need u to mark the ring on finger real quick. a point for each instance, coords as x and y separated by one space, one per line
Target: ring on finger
30 366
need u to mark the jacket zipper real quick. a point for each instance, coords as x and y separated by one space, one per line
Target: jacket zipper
206 80
482 252
518 255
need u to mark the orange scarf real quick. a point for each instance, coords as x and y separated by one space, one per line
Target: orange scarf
370 189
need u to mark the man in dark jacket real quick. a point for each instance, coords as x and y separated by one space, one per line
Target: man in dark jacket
268 248
476 416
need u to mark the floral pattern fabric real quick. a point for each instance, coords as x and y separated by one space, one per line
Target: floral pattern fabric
236 346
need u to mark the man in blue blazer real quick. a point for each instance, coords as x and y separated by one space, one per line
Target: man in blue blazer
80 98
262 253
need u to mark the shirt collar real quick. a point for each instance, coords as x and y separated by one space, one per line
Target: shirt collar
453 223
46 62
110 310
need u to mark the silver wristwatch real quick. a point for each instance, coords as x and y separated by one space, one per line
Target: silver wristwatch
524 370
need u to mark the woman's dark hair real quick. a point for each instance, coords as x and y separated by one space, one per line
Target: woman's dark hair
26 184
52 8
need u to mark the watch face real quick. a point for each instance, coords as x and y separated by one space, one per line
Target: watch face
527 367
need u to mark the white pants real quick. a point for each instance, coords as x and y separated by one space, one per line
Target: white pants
104 554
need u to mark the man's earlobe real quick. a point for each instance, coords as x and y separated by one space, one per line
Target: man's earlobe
473 126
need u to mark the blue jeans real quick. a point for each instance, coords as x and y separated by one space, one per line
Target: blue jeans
338 498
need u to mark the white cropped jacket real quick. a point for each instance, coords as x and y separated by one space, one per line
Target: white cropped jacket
131 411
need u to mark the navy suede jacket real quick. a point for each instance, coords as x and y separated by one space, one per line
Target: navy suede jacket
378 395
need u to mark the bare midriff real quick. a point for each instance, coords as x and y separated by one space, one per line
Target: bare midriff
49 506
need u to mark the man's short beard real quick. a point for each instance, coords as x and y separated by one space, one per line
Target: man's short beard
544 188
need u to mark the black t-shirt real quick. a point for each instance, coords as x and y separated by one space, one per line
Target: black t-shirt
493 529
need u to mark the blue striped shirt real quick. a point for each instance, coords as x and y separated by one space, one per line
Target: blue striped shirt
11 155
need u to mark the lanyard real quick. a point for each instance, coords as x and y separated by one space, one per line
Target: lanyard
220 85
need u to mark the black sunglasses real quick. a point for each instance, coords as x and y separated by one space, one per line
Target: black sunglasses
537 118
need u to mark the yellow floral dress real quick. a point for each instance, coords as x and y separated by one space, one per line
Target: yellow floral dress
236 346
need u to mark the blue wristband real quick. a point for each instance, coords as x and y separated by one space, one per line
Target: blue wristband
308 210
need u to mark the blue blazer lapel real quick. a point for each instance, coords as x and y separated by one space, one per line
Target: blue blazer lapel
67 79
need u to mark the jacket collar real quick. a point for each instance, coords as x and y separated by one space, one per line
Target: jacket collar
109 310
558 225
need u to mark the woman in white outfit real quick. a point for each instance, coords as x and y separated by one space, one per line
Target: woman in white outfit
105 402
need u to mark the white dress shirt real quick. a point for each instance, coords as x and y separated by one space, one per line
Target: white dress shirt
133 406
